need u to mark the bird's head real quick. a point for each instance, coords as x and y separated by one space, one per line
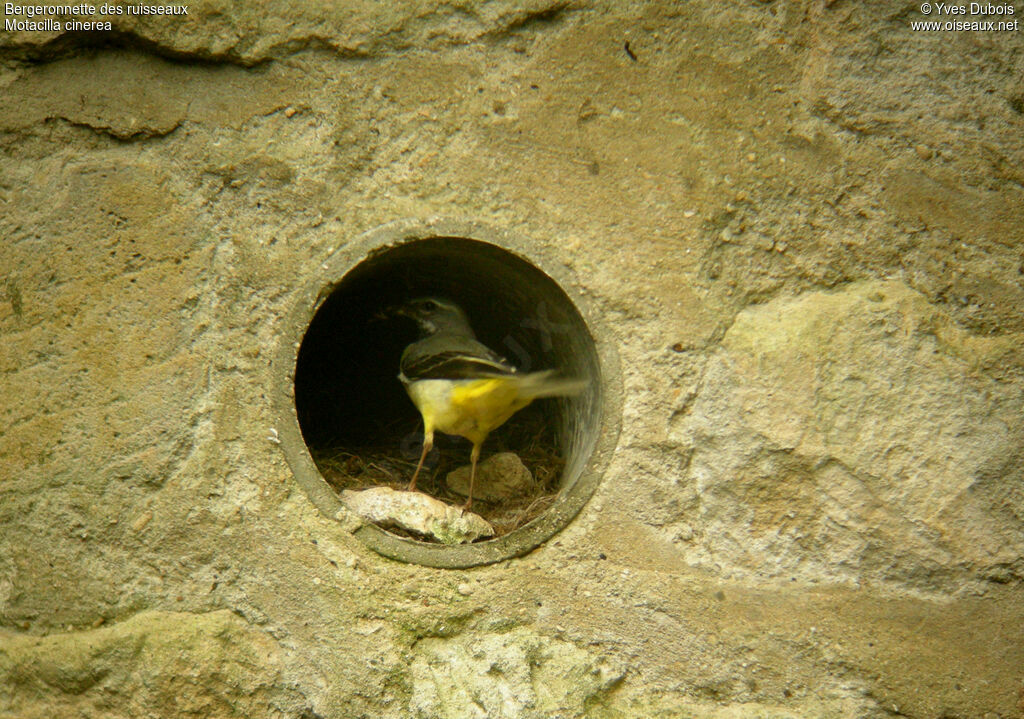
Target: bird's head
434 314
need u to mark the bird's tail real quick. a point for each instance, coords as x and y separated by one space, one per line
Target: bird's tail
545 384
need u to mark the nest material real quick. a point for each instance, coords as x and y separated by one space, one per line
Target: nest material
529 435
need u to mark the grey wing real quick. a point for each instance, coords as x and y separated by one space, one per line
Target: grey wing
452 357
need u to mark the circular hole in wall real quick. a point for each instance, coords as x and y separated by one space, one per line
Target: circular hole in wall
360 429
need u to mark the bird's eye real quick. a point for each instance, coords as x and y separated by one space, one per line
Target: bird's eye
430 305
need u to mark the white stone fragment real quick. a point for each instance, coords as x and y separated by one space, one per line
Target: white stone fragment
500 477
417 512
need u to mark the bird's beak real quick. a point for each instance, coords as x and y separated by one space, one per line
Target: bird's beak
389 312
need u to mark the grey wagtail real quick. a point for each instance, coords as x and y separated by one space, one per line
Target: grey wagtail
459 385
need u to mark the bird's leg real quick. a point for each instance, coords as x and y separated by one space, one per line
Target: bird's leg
473 457
428 443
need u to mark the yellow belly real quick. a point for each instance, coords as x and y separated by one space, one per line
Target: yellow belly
470 408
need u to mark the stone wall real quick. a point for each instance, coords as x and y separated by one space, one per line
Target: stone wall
802 224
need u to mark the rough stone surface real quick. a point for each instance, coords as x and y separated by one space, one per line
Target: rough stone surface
251 33
517 673
500 477
153 664
856 435
417 512
801 223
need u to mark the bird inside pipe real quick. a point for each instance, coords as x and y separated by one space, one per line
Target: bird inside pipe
452 370
459 385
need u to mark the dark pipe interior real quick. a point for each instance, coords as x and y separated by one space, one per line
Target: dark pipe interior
346 389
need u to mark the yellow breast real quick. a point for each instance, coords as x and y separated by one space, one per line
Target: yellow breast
470 408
